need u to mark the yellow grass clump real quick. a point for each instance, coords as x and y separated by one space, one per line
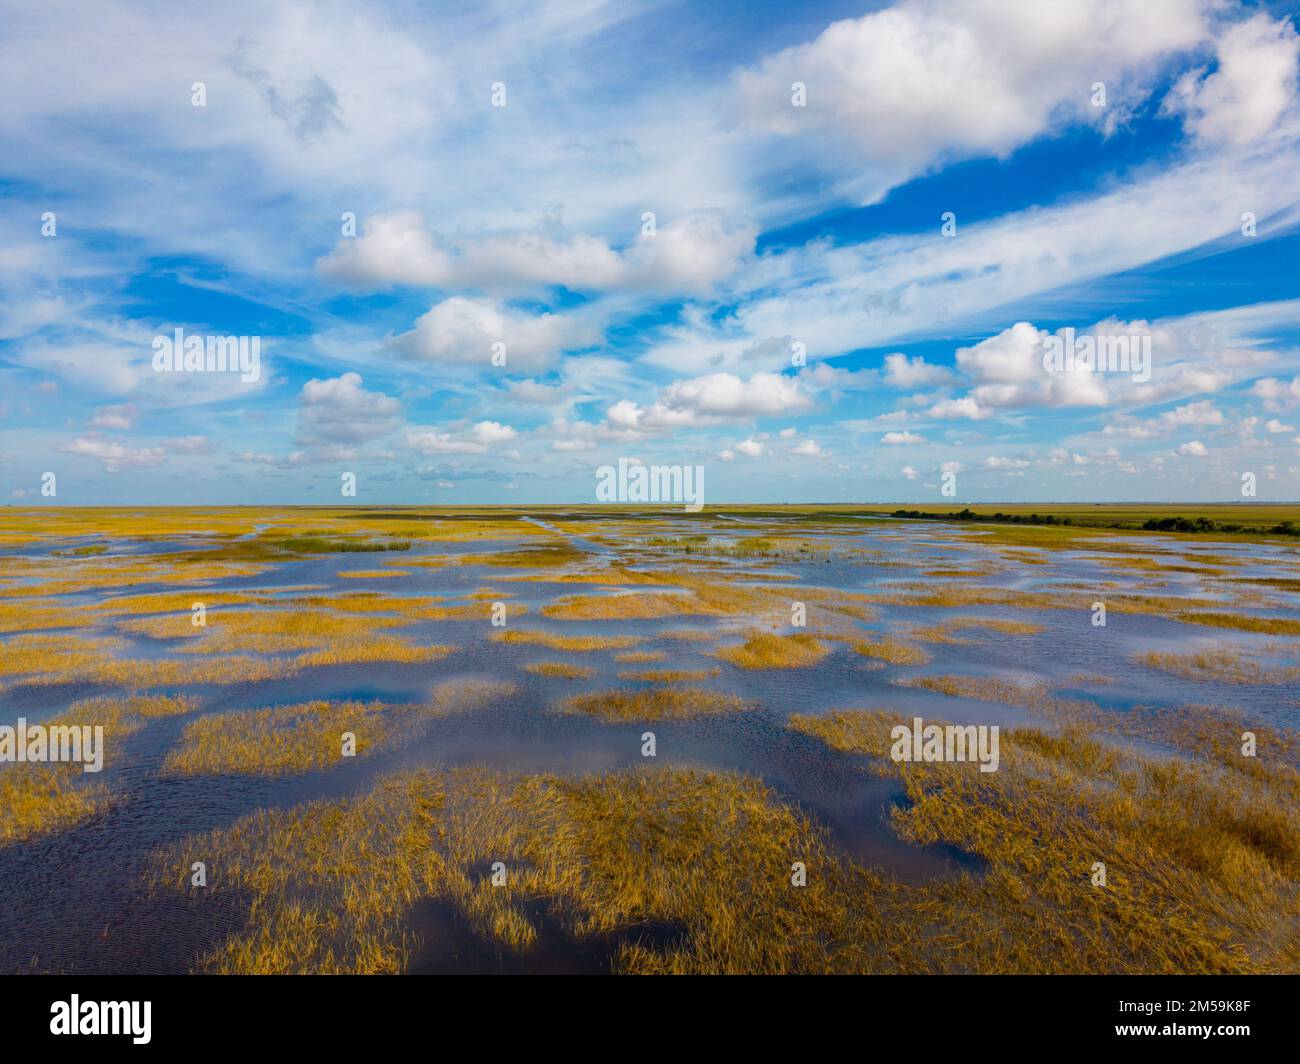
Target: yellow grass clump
946 631
1244 623
659 703
286 740
769 650
891 650
561 669
372 574
552 641
268 631
39 799
1221 665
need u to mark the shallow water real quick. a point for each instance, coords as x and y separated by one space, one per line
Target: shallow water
74 900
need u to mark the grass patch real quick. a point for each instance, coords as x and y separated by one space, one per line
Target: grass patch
660 703
372 574
536 637
562 669
327 886
44 799
946 631
891 650
287 740
768 650
1220 665
324 545
1244 623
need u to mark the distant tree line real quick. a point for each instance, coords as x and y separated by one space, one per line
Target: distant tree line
1155 524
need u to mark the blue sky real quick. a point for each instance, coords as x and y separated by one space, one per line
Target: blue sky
796 319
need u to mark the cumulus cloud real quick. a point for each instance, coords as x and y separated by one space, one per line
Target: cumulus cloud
965 407
1251 88
904 372
687 255
114 455
715 398
473 439
894 439
339 410
1192 449
1276 393
1187 357
462 331
1008 371
922 81
1202 412
394 248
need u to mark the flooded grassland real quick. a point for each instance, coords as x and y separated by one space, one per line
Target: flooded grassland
586 740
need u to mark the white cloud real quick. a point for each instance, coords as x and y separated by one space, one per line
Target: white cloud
965 407
339 410
1201 412
122 416
1192 449
115 455
894 439
475 439
920 81
393 248
1251 88
1008 371
712 399
687 255
462 331
904 372
1277 394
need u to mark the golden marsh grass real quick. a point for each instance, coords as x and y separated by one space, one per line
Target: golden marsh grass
659 703
537 637
561 669
769 650
286 740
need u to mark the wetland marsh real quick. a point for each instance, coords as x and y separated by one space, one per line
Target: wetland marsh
603 739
